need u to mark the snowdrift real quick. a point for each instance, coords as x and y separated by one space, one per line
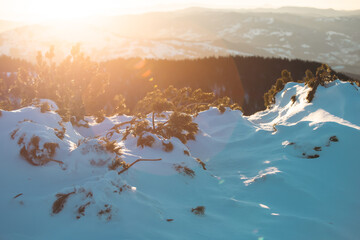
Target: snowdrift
290 172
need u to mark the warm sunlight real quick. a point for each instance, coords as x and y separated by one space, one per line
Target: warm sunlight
179 119
64 9
44 10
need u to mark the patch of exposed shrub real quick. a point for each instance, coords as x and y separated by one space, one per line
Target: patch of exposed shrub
333 139
116 163
312 156
112 146
318 149
186 152
79 122
311 93
51 148
44 107
199 210
59 203
201 163
124 187
146 141
221 109
168 147
293 99
184 170
181 126
81 210
98 148
60 133
13 133
106 212
35 155
98 162
26 120
274 127
21 139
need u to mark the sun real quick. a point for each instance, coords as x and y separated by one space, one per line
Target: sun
45 10
62 9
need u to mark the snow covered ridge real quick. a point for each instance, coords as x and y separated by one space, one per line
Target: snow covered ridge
287 172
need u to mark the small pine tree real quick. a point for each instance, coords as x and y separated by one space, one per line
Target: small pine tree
269 96
309 77
286 76
279 85
324 74
181 126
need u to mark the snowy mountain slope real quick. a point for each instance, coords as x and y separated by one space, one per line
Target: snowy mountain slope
101 45
287 172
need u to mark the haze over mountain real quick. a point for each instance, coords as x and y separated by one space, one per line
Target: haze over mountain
323 35
8 25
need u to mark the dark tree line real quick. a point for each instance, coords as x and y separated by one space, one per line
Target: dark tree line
81 87
9 64
244 79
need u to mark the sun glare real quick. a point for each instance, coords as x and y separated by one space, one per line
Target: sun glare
60 10
44 10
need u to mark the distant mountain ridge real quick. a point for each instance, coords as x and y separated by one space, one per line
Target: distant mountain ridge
323 35
8 25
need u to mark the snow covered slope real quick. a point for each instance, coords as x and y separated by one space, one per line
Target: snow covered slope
290 172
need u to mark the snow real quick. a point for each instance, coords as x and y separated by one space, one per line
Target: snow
230 30
266 20
330 34
252 33
283 51
281 33
263 179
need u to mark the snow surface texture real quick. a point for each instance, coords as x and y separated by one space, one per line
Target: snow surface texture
278 174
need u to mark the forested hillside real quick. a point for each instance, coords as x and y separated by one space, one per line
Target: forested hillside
243 79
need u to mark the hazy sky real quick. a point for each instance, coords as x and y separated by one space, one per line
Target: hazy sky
34 10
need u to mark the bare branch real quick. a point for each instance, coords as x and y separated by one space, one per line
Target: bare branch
138 160
18 195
